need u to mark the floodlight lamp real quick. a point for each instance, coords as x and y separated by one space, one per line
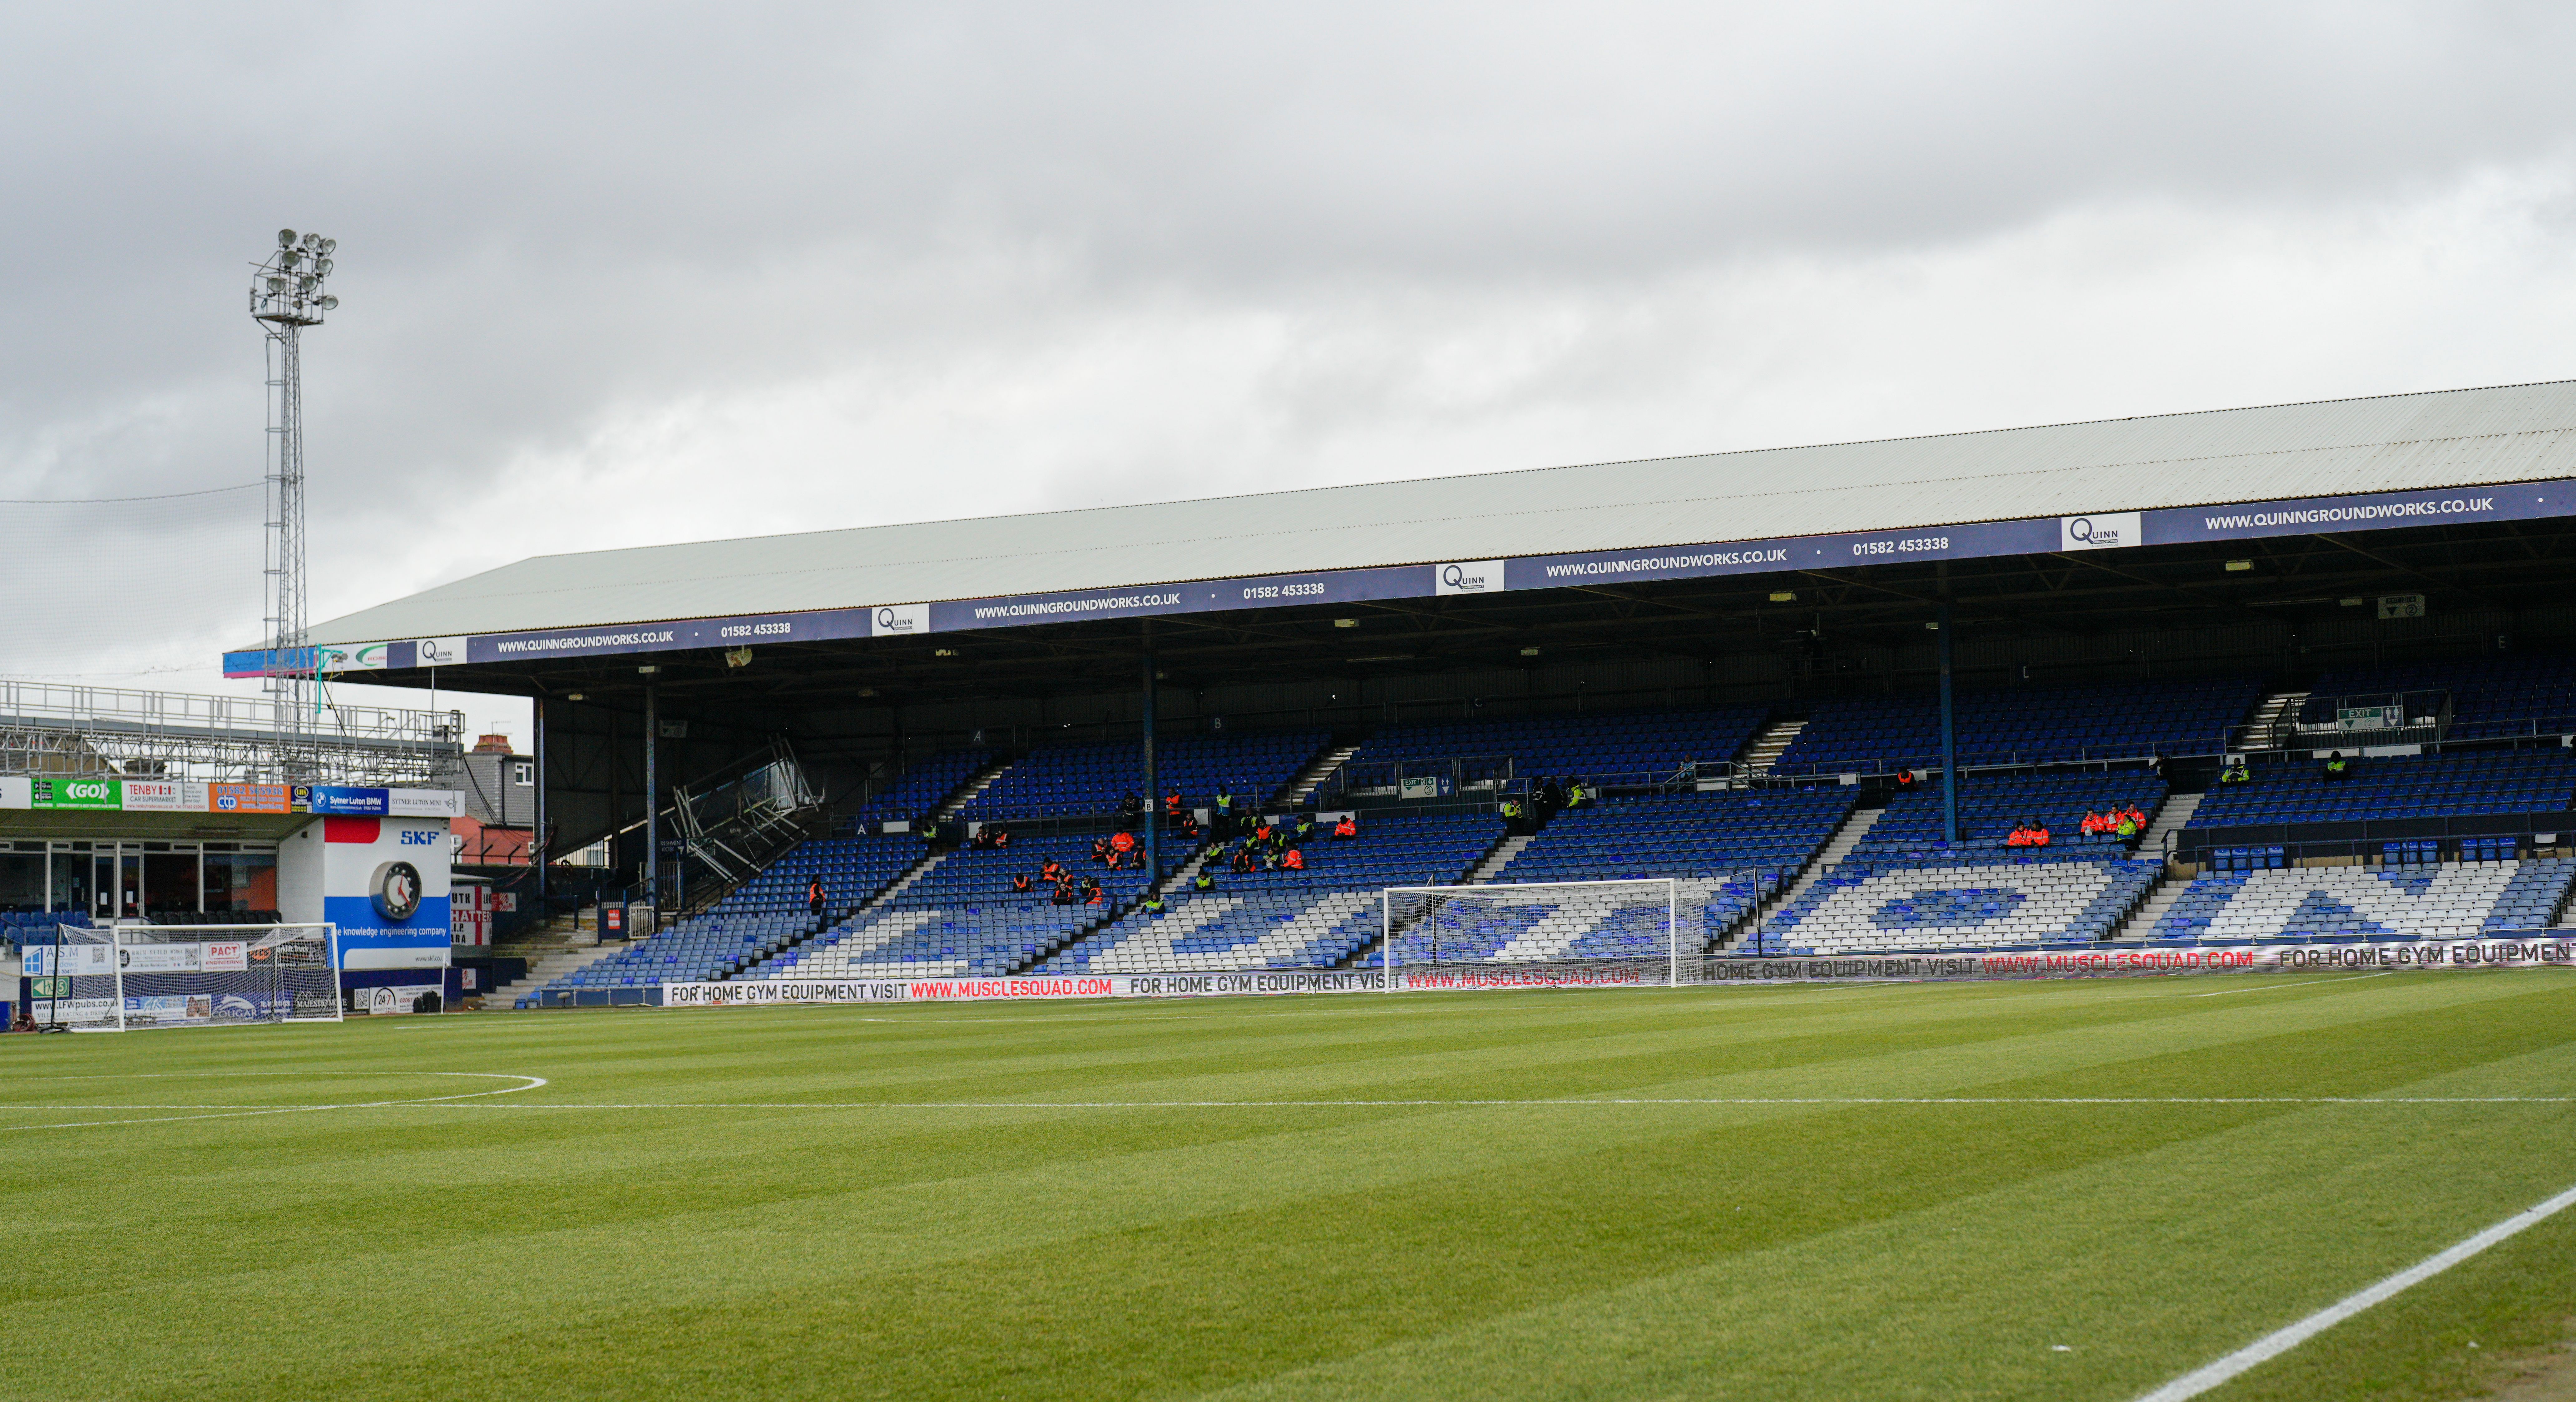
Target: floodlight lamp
304 283
289 258
323 267
313 242
286 238
277 284
328 245
330 304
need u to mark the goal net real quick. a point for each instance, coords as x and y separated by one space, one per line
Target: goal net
1538 923
113 979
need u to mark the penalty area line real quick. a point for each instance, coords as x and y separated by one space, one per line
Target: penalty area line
1479 1104
2281 1341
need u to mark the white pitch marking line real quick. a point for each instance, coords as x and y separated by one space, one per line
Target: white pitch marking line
2280 1341
1435 1104
2303 983
234 1113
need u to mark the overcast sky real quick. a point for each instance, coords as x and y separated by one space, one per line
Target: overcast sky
621 274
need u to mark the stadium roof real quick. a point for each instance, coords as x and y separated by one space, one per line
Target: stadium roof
2061 486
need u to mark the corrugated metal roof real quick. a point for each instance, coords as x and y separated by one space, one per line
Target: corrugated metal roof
2453 438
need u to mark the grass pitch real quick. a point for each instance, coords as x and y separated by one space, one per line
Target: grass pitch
2046 1190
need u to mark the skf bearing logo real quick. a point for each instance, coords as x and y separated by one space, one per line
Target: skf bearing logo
395 891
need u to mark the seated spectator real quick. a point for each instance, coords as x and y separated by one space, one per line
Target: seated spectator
2136 815
1906 782
2337 768
2130 825
1122 842
1346 829
1020 883
2235 772
1100 849
1293 860
1052 871
1153 904
1130 809
2094 824
1204 881
1001 836
1515 821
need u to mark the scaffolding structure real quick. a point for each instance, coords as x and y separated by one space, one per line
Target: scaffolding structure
54 728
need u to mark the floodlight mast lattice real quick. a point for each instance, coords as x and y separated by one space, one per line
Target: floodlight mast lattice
289 291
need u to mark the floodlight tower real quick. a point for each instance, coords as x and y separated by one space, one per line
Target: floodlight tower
288 293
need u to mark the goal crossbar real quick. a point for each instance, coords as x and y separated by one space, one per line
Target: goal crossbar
1526 893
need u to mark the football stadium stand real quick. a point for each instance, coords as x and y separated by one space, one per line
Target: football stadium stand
960 916
763 915
1725 851
2032 725
2489 698
1595 748
2058 898
1059 781
921 789
2396 786
1992 803
900 909
1314 918
2448 900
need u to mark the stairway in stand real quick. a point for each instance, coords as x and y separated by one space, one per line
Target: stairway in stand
1765 750
2175 813
1845 838
1310 778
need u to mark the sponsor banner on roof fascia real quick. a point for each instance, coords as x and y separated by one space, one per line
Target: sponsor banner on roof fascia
165 796
95 794
1201 596
16 792
352 657
1974 540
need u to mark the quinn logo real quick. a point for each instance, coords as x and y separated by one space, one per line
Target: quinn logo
2113 531
395 891
1474 577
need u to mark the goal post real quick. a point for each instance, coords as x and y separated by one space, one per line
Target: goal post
122 977
1510 924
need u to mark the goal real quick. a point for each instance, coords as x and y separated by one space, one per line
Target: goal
1533 922
119 978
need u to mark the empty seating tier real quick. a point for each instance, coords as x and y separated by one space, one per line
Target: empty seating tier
920 788
761 916
1594 748
2059 899
2029 725
2450 900
2489 697
2495 782
1725 850
1058 781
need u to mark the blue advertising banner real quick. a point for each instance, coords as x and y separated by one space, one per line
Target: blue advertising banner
340 802
2116 530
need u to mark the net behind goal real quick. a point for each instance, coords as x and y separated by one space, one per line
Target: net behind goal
113 979
1536 923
